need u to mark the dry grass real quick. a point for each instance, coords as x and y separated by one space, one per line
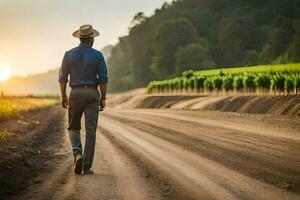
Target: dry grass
10 106
4 135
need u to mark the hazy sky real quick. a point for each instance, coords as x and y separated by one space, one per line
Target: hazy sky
34 34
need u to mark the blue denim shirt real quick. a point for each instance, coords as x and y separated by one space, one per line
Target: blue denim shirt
85 65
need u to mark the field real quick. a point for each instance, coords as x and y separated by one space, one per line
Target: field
264 79
292 67
10 106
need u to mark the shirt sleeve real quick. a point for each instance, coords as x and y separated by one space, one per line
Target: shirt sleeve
102 71
64 70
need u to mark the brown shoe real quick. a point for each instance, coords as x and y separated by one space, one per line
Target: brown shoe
78 164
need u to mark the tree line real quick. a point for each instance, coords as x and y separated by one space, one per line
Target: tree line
205 34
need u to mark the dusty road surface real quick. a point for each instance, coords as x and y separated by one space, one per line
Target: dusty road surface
176 154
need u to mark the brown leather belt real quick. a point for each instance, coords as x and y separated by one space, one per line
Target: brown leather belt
85 86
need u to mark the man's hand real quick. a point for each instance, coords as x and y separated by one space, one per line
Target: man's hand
102 104
65 101
64 97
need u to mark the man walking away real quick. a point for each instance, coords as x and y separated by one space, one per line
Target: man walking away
87 69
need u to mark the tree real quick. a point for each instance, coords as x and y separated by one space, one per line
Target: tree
236 36
250 57
119 67
282 23
293 52
139 18
141 53
195 56
279 39
170 36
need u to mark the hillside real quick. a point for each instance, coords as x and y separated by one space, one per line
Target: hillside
205 34
38 84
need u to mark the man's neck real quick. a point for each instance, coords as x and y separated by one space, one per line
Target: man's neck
85 44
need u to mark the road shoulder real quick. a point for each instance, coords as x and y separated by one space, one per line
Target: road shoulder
34 145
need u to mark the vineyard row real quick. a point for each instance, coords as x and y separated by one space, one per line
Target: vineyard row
283 82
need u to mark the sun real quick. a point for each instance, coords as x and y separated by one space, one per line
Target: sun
5 73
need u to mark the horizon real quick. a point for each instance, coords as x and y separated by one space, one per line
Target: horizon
27 41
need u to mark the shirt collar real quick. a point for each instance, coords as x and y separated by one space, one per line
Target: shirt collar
84 45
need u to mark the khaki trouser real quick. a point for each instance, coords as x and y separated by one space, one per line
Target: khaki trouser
83 101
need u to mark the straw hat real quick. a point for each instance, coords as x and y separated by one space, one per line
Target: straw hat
86 31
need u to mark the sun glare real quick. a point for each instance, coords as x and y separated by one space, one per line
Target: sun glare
5 73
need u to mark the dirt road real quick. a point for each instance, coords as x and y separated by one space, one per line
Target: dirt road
176 154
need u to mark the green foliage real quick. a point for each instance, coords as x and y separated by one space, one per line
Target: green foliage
120 72
227 82
200 81
217 82
292 67
250 57
279 81
238 82
170 36
193 34
289 84
278 78
249 81
194 56
138 19
263 80
280 37
192 82
293 52
188 73
236 36
208 84
279 41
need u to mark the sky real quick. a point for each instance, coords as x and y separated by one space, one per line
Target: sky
34 34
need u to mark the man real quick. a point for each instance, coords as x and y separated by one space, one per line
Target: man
87 70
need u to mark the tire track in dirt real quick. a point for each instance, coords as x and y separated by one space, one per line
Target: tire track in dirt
130 182
116 178
57 185
168 189
158 155
243 128
253 155
238 138
197 177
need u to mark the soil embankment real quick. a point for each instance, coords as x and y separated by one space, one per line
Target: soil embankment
273 105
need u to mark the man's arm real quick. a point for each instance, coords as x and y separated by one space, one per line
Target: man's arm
63 79
64 97
103 79
103 88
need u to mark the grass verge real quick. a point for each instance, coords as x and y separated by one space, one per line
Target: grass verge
11 106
